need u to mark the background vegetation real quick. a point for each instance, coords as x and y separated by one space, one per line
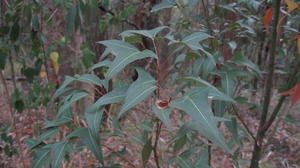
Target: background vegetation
152 83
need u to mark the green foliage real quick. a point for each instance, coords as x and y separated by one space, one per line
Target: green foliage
195 103
125 53
138 91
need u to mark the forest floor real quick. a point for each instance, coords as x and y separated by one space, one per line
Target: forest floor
282 151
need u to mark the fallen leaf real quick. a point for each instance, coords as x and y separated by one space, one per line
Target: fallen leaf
291 5
267 18
294 92
54 59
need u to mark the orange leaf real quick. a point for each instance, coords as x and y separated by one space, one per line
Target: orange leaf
267 18
291 5
298 43
294 92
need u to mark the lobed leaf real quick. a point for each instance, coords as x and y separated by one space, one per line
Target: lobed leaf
125 54
138 90
195 104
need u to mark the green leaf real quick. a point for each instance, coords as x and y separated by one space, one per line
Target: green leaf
195 103
290 119
219 107
70 101
147 33
42 158
105 63
114 96
34 142
133 39
179 143
184 162
147 149
146 126
193 41
233 128
138 90
163 115
15 31
164 4
62 89
227 80
94 120
59 150
3 56
57 122
89 140
202 159
240 60
213 91
70 20
61 119
88 57
19 105
90 78
125 54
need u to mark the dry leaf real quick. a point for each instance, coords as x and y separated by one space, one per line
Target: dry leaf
294 92
291 5
298 43
268 18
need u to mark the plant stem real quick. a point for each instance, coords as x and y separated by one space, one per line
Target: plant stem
12 67
158 130
158 69
291 82
256 154
243 122
158 123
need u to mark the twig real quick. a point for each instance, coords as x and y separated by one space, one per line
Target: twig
158 130
243 122
158 69
12 68
257 148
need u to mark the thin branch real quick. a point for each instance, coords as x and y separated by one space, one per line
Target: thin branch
243 123
158 130
12 68
158 69
292 81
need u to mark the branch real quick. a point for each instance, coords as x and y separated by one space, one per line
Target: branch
291 82
243 123
158 129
